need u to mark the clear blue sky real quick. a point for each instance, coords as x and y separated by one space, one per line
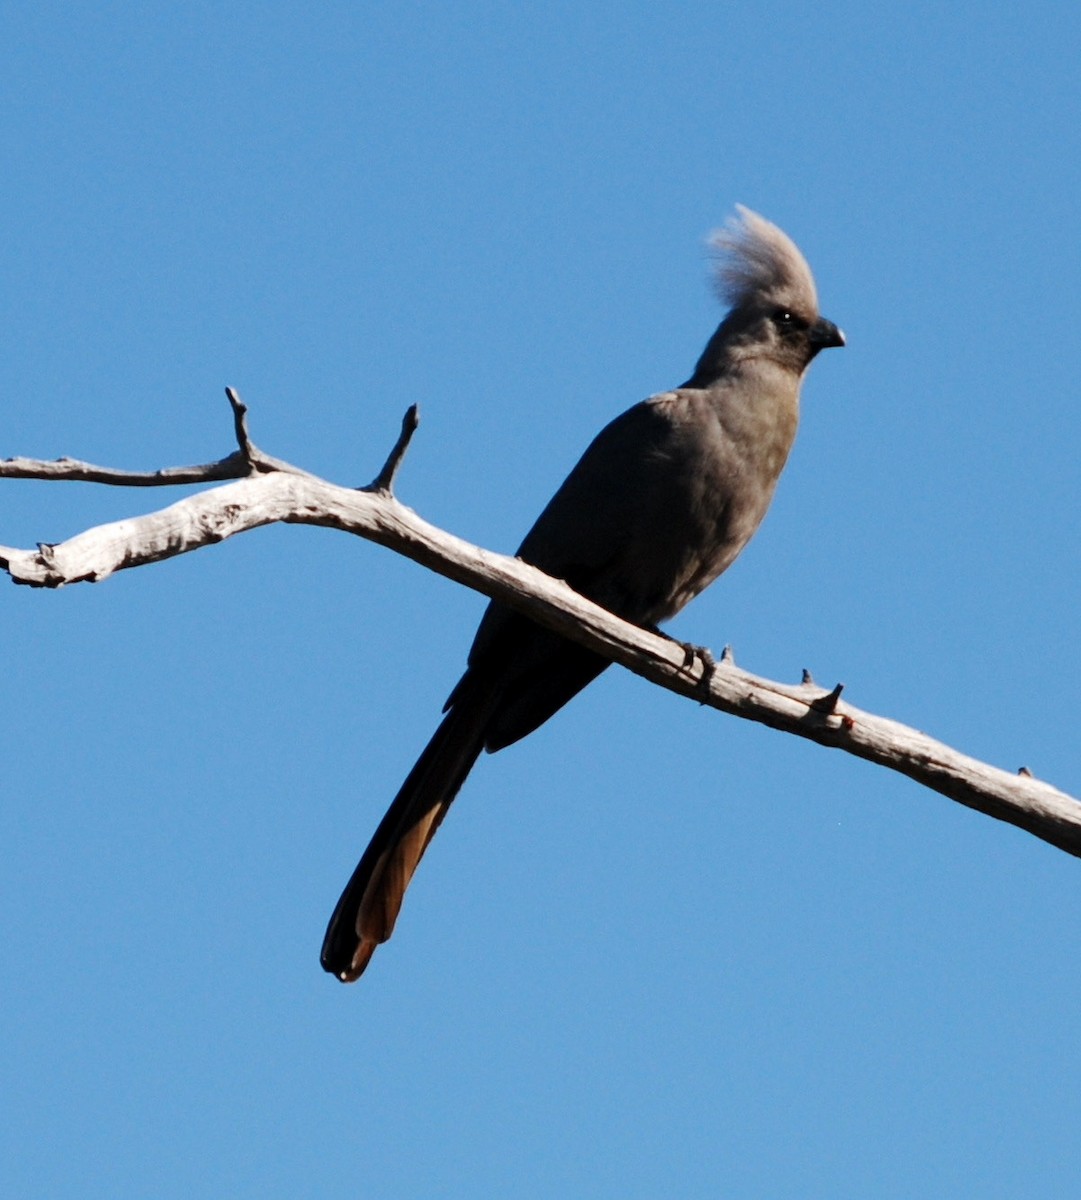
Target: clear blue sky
654 951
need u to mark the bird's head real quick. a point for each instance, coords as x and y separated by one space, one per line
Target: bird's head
773 304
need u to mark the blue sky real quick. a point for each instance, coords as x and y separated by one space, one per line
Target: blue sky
653 951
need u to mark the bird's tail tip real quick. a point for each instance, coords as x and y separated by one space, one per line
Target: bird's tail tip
350 971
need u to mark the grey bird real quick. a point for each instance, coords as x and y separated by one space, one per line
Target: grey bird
661 503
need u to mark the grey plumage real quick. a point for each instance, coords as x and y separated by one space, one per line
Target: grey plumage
661 503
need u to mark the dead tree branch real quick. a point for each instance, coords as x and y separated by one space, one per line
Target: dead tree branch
267 490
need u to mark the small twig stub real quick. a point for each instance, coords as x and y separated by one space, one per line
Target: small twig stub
384 481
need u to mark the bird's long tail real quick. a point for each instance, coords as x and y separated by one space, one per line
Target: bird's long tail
365 914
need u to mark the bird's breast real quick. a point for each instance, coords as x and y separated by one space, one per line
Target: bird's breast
725 463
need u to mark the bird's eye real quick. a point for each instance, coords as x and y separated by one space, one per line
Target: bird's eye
787 321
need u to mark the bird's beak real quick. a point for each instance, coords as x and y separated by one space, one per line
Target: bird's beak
825 334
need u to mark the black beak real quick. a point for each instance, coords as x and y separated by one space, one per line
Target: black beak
825 334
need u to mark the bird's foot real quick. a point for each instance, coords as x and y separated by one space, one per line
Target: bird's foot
705 657
703 654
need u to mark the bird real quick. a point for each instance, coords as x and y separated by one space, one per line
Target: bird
660 504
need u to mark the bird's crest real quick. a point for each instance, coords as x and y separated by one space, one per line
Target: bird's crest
754 260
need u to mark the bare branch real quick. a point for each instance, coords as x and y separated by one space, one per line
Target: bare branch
271 493
233 466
